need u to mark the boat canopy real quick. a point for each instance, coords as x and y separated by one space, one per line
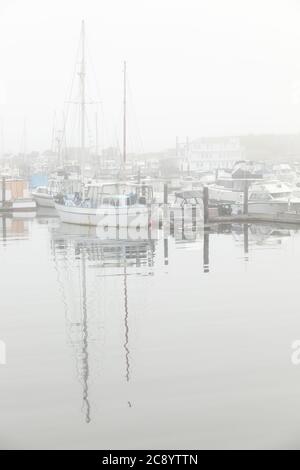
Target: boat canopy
119 194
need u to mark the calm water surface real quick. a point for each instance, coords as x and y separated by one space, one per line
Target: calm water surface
162 344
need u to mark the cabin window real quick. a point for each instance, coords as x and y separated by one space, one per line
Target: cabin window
277 195
260 197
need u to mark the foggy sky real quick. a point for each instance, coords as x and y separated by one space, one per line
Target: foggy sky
196 67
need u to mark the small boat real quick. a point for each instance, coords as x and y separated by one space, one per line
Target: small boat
228 191
43 196
229 185
271 197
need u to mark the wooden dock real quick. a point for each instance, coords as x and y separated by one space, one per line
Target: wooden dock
282 218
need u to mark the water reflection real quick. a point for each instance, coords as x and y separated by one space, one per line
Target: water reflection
83 261
246 241
250 236
85 342
77 250
130 338
14 228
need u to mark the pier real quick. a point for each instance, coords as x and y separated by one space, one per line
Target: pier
291 217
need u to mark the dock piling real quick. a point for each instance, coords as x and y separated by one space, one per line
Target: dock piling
166 251
3 191
194 217
205 204
246 240
172 223
166 196
246 196
206 252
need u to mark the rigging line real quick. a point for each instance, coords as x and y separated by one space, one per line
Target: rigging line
99 100
76 128
69 95
99 106
72 125
131 140
90 60
135 114
78 133
105 132
118 130
98 93
64 143
117 142
88 130
63 140
74 134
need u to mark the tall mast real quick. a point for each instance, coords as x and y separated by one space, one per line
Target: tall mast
124 118
82 76
96 131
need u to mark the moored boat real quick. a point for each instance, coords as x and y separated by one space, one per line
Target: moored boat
109 204
43 197
271 197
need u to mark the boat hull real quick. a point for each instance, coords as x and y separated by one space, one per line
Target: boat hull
268 207
44 200
122 217
222 195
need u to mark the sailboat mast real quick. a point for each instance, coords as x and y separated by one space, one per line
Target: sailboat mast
96 131
82 76
124 118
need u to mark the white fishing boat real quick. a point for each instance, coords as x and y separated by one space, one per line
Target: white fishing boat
109 205
117 204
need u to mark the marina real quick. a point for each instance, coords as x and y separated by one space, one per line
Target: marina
149 229
94 190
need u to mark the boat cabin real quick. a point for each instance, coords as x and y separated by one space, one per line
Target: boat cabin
119 194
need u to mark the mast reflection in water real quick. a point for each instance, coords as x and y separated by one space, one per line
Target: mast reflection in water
74 255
